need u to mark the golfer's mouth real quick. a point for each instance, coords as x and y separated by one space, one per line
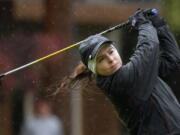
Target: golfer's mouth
115 66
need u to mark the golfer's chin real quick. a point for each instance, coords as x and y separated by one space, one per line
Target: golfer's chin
115 68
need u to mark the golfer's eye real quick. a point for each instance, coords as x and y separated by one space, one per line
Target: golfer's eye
111 51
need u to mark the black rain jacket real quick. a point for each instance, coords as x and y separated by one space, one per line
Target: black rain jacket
144 102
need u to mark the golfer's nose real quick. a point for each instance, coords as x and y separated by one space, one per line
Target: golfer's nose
110 59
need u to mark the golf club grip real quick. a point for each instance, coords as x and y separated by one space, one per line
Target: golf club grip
147 11
151 11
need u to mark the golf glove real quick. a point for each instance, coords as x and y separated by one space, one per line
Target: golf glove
156 20
138 18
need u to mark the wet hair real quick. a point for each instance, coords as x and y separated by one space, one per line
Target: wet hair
81 78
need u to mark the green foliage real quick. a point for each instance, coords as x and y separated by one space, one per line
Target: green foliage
172 12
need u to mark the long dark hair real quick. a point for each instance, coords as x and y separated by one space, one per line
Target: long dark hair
81 78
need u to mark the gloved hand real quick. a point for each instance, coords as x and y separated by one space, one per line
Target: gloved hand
138 18
156 20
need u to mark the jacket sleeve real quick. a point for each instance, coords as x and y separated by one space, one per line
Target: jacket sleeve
169 59
138 76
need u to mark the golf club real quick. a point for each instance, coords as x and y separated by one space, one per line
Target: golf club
62 50
151 11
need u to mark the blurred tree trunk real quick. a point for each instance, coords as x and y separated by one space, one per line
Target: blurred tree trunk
5 112
58 23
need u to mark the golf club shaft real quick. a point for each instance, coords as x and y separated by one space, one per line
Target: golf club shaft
62 50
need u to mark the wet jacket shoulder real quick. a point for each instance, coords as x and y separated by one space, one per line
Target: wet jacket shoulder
169 59
137 77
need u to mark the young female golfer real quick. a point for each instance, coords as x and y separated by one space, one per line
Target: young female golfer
144 102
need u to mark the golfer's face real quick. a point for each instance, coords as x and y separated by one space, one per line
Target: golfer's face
108 60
